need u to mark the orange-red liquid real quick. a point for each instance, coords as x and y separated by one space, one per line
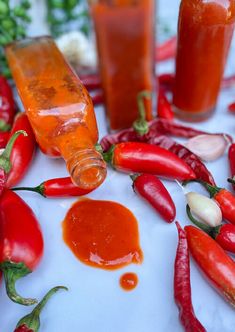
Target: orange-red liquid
128 281
125 40
102 234
205 29
57 104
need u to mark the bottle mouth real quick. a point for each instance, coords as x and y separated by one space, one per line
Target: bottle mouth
87 169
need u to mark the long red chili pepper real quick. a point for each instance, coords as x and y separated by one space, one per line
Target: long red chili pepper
166 81
146 158
154 192
182 287
31 322
5 159
21 242
213 261
59 187
7 105
23 152
231 108
164 108
223 234
4 138
231 157
225 200
166 50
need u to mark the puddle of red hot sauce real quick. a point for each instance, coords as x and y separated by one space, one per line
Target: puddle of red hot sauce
128 281
102 234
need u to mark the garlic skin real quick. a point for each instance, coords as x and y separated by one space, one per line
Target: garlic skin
77 49
208 147
206 209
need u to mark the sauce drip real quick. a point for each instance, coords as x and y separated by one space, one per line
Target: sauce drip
102 234
128 281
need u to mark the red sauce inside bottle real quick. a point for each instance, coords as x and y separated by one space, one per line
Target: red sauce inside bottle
102 234
128 281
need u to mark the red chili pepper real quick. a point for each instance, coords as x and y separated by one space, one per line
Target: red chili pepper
214 262
7 105
21 242
223 234
91 81
164 109
166 82
231 108
146 158
23 151
225 200
31 322
231 157
5 162
4 138
166 50
182 286
59 187
97 97
153 191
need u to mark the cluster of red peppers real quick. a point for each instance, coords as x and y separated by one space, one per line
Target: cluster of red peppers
21 239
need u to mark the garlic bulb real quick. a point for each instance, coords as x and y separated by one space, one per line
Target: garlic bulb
207 147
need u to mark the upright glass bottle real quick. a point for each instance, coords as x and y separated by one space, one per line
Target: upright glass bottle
125 34
205 30
58 107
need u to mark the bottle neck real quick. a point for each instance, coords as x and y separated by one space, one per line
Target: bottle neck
87 168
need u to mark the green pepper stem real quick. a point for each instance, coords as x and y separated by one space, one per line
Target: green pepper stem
12 272
231 180
134 176
4 126
38 189
5 162
205 228
32 320
108 156
141 125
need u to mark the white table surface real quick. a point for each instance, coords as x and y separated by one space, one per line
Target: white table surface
95 301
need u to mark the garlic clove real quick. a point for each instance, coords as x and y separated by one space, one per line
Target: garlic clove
206 209
207 147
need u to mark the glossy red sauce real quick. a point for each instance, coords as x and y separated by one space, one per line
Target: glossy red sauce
128 281
102 234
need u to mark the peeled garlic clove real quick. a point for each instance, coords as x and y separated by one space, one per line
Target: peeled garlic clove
207 147
205 209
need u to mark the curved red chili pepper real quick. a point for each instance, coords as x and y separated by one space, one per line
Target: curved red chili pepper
231 157
231 108
21 242
153 191
59 187
31 322
23 151
146 158
7 105
225 200
4 138
164 109
166 50
213 261
182 286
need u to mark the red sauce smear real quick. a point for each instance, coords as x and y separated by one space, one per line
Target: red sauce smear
102 234
128 281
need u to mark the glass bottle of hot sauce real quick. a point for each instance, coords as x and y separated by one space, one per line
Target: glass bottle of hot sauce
58 107
205 30
125 36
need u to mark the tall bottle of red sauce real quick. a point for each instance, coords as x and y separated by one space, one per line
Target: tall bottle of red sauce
58 107
205 30
125 34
